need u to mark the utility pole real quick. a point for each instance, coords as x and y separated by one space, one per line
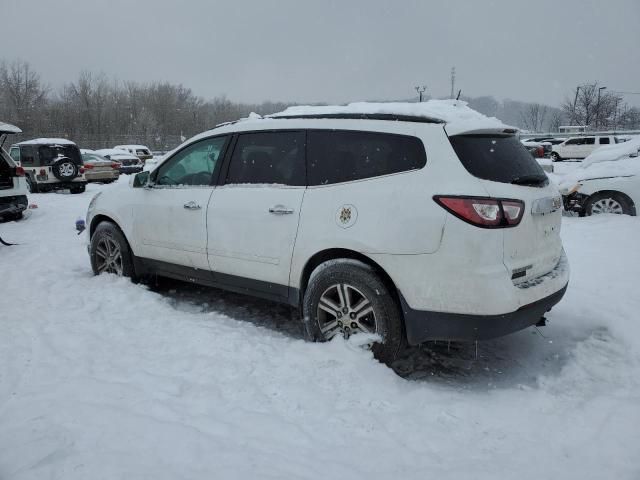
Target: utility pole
598 108
421 90
453 80
575 101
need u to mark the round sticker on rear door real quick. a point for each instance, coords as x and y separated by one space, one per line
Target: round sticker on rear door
346 216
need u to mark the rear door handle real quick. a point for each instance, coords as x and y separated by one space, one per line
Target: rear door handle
192 205
280 210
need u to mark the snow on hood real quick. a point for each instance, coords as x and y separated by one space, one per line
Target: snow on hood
624 167
457 115
613 152
8 128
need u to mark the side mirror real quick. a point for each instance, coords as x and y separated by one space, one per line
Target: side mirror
141 180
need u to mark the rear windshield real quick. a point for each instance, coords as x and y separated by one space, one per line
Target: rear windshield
499 159
49 153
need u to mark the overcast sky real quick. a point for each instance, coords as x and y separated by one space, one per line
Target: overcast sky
334 51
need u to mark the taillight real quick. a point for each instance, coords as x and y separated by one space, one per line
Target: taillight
87 166
20 172
81 170
482 211
43 172
115 166
540 152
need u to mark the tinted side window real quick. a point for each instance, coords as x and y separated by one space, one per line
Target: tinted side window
15 154
342 156
28 155
604 141
268 158
574 141
589 141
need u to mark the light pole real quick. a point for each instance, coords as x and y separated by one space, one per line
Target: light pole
420 91
598 107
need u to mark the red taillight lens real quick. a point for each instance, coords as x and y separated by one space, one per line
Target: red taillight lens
81 170
540 152
115 166
87 166
43 172
484 212
513 211
20 171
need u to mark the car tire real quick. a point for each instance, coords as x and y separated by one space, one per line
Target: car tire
609 202
79 189
110 252
357 283
32 186
64 169
556 157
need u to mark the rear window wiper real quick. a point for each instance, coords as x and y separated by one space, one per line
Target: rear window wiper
529 180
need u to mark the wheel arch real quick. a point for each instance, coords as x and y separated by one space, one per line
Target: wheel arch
605 192
343 253
95 221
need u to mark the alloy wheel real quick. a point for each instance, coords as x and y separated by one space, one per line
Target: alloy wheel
606 205
108 256
345 310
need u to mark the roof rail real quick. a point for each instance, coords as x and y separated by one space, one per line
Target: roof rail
364 116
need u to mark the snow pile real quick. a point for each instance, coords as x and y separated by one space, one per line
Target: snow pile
458 116
101 378
614 152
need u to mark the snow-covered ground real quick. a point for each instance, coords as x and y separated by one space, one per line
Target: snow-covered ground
100 378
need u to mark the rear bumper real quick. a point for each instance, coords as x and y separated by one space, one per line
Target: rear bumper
131 169
13 205
99 176
423 325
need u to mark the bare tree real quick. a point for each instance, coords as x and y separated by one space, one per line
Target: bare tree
555 121
23 92
533 117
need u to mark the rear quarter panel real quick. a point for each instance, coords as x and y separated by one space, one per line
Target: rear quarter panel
396 214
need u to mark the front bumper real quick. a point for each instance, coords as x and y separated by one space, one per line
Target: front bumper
423 325
13 205
574 202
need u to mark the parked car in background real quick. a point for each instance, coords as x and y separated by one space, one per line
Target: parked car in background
129 163
13 184
317 209
608 181
140 151
50 164
539 149
98 168
581 147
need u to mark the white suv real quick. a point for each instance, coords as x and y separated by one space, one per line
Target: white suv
581 147
398 225
13 184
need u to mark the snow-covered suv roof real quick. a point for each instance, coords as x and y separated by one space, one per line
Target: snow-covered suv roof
8 128
456 114
47 141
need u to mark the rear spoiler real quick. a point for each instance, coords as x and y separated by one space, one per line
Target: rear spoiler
500 131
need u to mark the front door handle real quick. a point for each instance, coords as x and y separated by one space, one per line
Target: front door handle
280 210
192 205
